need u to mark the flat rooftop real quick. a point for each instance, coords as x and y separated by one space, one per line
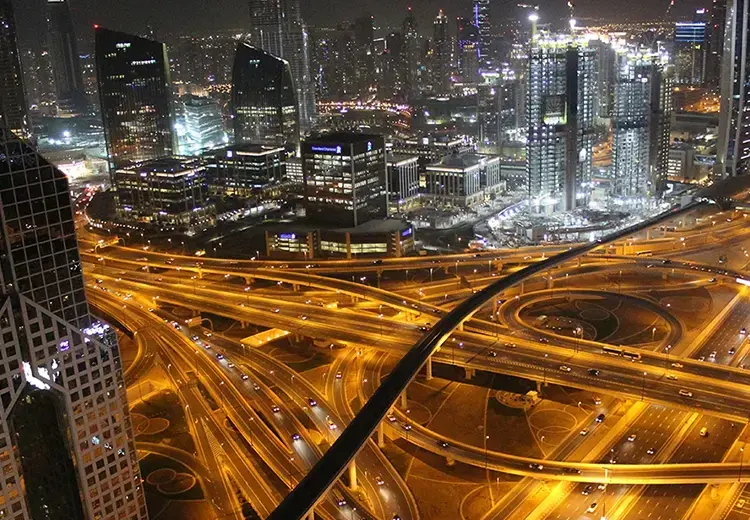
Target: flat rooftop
463 160
343 137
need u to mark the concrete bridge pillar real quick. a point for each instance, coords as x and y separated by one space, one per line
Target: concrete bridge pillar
353 476
523 288
404 403
295 287
200 274
248 280
311 515
539 387
381 435
648 233
470 372
428 368
450 461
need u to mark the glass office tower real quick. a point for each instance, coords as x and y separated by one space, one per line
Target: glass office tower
134 92
66 65
12 96
66 441
264 109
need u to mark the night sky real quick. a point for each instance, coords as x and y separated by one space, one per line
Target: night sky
185 16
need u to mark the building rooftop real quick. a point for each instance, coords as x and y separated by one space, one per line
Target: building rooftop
246 148
463 160
396 158
165 164
343 137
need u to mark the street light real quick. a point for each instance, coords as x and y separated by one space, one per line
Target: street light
643 386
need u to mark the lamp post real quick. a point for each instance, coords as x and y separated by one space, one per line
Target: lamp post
643 386
544 369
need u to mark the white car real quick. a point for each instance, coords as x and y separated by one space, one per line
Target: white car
632 437
565 368
585 432
592 507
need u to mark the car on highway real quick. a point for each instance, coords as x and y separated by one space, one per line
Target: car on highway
443 444
602 486
678 365
276 311
312 402
379 481
536 466
230 364
511 345
195 338
244 377
584 432
650 451
565 368
600 418
703 432
592 507
671 377
587 490
712 280
593 372
396 517
741 503
275 409
339 375
302 317
712 355
295 436
632 437
391 417
743 330
732 351
425 328
331 424
685 393
491 353
597 401
339 498
407 426
256 387
219 356
543 340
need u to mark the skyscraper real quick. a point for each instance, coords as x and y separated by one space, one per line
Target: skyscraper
410 54
12 97
715 49
560 90
63 47
690 52
264 108
345 178
134 92
204 128
66 440
640 123
482 22
733 145
467 51
441 54
276 26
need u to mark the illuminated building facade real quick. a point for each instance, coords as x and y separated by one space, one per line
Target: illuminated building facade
441 54
462 180
641 123
344 178
403 181
171 192
66 439
560 92
264 109
246 169
482 23
12 96
690 41
733 146
204 128
134 93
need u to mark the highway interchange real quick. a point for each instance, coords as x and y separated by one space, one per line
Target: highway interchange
368 328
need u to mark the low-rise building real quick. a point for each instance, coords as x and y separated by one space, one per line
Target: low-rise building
462 180
246 170
403 182
170 192
389 237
